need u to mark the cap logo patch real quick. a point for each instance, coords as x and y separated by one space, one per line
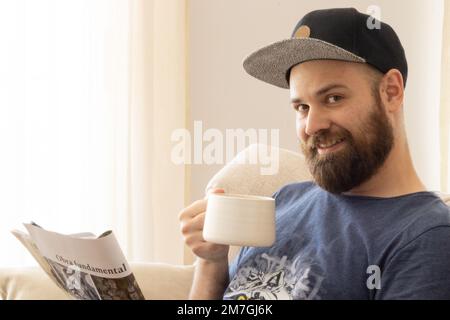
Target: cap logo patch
303 32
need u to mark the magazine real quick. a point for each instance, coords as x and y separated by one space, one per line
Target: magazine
86 267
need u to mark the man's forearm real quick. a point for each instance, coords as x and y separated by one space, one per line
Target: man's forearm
210 280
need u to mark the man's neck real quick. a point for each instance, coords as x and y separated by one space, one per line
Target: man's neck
395 177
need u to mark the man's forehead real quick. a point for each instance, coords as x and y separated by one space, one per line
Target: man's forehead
316 75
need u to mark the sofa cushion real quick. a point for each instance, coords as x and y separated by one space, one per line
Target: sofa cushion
164 281
253 172
28 283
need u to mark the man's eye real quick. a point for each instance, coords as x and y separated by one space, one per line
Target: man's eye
333 99
301 108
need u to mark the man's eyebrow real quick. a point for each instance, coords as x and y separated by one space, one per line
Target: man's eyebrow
322 91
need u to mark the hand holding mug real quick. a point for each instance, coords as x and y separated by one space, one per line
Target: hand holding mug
192 219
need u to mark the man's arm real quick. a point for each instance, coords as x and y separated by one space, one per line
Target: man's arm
420 270
211 270
210 280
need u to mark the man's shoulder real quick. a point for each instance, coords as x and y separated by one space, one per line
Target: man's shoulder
426 213
296 193
296 188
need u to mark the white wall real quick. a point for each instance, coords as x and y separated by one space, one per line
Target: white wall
223 96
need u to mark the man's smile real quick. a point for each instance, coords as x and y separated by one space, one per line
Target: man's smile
323 148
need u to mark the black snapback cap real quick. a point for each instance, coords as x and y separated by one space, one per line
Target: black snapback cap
332 34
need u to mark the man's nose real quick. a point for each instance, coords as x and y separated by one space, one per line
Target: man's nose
316 121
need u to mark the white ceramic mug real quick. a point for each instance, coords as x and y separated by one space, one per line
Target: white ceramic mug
240 220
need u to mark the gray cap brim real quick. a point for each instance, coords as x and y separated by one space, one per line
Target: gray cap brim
271 63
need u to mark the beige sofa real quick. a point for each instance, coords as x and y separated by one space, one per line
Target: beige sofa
165 281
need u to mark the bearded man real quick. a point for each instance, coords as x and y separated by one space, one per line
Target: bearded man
365 227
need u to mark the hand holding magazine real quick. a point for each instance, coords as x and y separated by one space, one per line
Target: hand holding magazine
84 266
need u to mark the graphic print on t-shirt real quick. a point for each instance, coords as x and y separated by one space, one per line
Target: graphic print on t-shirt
275 278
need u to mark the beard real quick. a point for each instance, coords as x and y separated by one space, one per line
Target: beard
358 159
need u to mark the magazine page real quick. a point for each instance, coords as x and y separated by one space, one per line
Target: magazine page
89 268
31 247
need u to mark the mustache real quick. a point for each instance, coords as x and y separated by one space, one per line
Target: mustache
324 136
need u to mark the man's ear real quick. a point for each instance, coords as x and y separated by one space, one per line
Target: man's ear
392 90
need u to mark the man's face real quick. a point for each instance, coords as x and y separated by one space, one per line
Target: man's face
341 122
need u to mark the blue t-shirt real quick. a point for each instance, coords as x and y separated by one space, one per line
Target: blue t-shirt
349 247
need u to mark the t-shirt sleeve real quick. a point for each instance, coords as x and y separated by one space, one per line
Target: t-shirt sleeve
419 270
